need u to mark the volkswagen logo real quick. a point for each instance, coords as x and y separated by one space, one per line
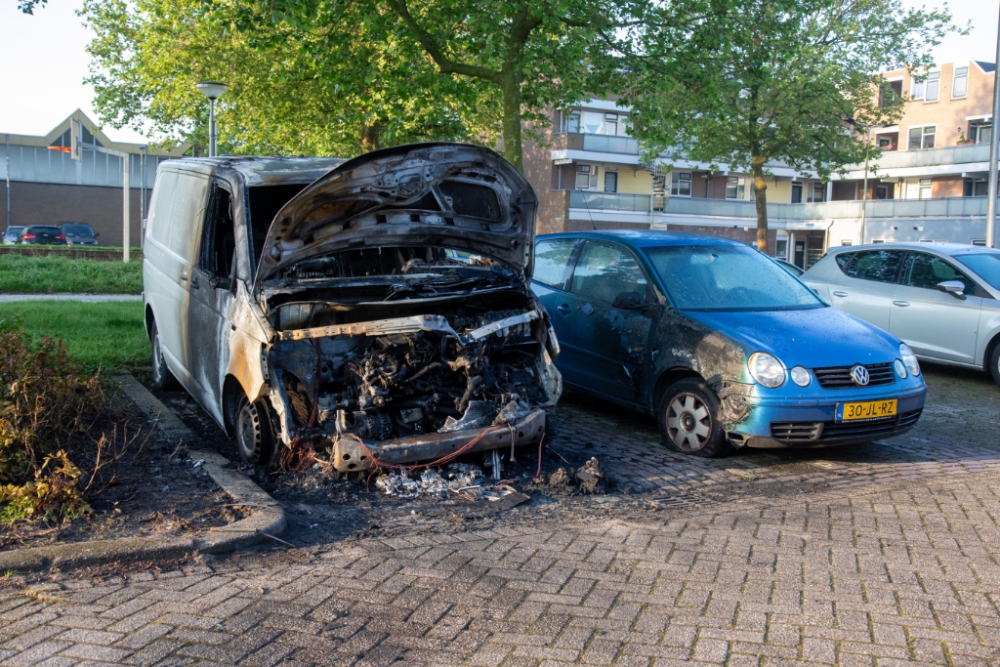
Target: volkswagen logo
860 375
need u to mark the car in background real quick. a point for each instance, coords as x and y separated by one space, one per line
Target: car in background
43 235
13 235
78 233
724 347
942 299
791 268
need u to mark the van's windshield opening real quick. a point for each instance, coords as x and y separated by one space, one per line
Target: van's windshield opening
265 202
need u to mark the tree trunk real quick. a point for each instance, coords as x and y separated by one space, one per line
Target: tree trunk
512 148
760 192
369 137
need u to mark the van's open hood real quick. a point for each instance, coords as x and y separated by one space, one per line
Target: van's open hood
452 195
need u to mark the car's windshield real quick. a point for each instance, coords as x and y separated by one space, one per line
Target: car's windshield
78 229
723 277
986 265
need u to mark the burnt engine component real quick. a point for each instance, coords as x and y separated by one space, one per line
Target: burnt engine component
470 372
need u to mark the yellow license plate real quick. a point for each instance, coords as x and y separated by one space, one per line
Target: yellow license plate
866 410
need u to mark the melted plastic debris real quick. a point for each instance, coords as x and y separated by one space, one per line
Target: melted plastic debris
458 478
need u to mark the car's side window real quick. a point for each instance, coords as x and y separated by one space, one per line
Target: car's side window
604 271
926 270
218 240
552 262
878 265
844 260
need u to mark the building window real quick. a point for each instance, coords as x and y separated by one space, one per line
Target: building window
610 181
925 188
922 137
796 193
933 85
890 92
680 184
847 242
818 192
582 176
573 121
960 85
916 89
976 187
611 124
732 185
981 242
980 132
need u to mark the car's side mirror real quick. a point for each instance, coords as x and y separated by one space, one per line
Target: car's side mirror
628 301
954 287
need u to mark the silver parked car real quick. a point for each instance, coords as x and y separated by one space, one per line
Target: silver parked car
942 299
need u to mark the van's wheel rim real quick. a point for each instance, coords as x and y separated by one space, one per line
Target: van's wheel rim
157 358
689 422
248 431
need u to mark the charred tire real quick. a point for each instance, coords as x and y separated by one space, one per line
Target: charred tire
688 414
254 432
162 377
995 362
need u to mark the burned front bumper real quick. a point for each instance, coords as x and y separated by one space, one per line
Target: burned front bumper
352 454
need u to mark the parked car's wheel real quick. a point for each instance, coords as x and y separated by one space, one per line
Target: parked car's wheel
995 363
162 377
688 412
254 432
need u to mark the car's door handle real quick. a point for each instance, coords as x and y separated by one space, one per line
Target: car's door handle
902 304
840 293
563 308
184 276
194 283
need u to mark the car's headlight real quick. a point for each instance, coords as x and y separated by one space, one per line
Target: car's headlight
909 359
900 369
800 376
766 370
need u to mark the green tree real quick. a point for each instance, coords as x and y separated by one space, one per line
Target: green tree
288 91
523 56
750 82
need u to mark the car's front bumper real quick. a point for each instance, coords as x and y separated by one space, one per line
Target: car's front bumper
351 454
811 422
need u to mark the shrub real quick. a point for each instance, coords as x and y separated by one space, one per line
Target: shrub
47 405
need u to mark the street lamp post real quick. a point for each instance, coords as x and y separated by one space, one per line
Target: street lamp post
213 90
864 193
991 202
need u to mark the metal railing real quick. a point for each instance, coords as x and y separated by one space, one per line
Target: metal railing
943 207
608 201
607 144
931 157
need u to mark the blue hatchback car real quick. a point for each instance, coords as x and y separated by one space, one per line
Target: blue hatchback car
724 346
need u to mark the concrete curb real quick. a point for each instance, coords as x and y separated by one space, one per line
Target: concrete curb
266 521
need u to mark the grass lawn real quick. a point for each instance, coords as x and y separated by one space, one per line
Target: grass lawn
45 275
109 335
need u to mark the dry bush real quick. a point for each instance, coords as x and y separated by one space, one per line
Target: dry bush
47 406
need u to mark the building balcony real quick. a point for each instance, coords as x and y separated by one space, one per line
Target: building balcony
944 207
932 157
609 201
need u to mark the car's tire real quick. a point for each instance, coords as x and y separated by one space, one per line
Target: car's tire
162 377
254 432
995 362
688 414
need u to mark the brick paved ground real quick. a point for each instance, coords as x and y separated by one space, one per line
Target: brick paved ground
884 556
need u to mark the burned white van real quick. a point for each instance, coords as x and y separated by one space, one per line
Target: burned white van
377 309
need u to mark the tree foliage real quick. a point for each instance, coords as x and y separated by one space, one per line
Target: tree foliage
749 82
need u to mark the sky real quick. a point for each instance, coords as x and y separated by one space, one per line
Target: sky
45 61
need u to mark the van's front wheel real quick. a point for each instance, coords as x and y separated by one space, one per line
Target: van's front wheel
162 377
254 432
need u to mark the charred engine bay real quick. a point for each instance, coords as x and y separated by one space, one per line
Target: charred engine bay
427 344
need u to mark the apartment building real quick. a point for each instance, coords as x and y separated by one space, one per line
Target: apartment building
928 184
40 183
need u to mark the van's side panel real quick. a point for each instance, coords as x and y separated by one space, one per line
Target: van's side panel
173 231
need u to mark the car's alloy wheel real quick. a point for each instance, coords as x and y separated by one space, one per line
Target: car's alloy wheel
688 413
162 377
254 433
